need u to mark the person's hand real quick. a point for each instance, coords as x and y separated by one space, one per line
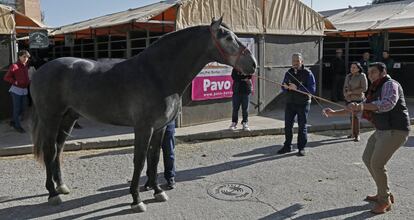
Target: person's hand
292 86
354 107
285 86
327 112
351 106
16 83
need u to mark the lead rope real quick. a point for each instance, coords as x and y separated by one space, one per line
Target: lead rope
314 97
305 93
300 83
352 113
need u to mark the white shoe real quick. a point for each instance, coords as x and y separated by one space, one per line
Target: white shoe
245 127
233 126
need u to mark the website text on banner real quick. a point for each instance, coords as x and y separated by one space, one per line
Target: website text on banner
214 81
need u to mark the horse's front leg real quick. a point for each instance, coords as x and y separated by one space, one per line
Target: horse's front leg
141 143
152 164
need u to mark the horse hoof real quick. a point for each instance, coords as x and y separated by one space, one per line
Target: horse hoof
140 207
63 189
56 200
161 197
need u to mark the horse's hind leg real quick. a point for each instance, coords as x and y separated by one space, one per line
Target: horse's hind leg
141 143
47 133
152 164
64 130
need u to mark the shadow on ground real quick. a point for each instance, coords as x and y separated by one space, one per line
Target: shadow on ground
410 142
291 211
44 209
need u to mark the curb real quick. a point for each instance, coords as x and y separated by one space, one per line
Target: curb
97 143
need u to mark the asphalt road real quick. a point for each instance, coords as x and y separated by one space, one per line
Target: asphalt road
329 183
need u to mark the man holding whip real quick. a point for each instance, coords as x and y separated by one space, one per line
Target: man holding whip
385 107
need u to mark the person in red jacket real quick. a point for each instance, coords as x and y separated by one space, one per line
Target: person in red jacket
18 77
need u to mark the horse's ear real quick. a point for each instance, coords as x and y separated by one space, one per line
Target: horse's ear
215 24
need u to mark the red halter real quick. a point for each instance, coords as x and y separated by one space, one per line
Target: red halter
226 56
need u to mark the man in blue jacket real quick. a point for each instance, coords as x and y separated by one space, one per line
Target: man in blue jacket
297 104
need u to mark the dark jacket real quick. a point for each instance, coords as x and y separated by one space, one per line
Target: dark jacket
241 84
307 84
389 62
338 67
365 65
396 119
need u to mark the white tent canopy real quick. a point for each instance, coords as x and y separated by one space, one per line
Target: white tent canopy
393 15
286 17
283 17
142 14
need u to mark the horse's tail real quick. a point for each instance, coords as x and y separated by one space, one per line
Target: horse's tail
35 130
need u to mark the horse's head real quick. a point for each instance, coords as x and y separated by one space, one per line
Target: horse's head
229 49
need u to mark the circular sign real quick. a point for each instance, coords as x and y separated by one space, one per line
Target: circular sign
230 191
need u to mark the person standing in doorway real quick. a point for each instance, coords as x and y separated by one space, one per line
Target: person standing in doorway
18 77
338 75
242 88
354 87
389 63
365 61
297 104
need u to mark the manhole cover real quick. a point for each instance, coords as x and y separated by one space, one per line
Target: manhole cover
230 191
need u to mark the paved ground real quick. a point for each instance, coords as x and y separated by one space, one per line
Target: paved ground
329 183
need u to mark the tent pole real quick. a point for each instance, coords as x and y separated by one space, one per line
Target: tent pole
347 55
128 44
260 86
13 47
320 78
147 41
95 45
109 44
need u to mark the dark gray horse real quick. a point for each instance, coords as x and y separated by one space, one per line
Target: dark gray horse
143 92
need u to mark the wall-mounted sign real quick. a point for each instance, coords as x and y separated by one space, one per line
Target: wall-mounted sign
214 81
38 39
69 40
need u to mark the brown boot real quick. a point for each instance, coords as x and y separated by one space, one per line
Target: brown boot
375 198
381 208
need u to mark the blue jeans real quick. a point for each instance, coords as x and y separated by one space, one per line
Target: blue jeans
301 111
19 105
168 146
243 100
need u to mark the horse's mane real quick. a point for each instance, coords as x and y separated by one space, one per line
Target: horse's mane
166 39
173 35
178 34
160 43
